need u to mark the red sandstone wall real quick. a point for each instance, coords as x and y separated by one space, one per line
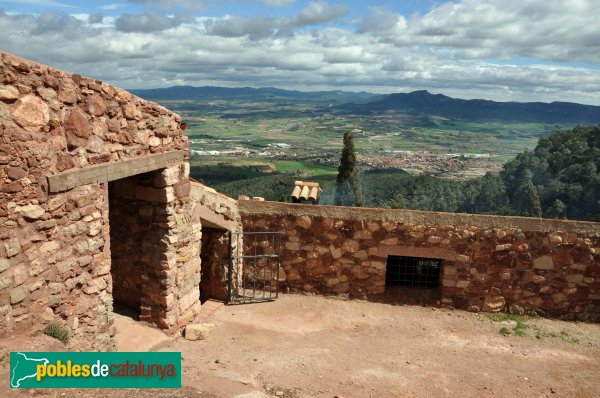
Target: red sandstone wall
55 249
489 263
215 261
218 215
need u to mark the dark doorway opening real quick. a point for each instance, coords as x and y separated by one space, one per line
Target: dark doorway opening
414 272
137 248
214 255
125 271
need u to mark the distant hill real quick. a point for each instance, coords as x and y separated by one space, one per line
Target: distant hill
415 103
251 94
425 103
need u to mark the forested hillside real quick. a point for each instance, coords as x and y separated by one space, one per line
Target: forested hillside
564 167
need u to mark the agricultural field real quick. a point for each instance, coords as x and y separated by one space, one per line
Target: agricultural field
238 140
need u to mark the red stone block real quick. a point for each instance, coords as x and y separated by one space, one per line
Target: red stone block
561 259
182 189
77 128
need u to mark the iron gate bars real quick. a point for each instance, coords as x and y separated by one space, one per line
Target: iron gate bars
253 274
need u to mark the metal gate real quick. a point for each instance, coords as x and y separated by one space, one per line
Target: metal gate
254 262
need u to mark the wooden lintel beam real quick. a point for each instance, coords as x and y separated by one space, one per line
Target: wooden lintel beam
112 171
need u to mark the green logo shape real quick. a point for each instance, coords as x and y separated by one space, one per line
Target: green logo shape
95 370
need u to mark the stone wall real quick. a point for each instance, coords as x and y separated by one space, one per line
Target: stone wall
489 263
150 248
215 262
55 255
215 209
218 215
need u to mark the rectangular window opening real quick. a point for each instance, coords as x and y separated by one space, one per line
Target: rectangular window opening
413 272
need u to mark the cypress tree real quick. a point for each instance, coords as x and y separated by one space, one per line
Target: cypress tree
348 188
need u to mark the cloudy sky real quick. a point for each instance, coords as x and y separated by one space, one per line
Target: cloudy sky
521 50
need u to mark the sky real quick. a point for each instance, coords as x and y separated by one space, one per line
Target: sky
504 50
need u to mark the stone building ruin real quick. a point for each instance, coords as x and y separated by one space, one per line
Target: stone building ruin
95 207
97 213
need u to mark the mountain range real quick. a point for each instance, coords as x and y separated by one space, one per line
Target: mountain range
425 103
250 94
415 103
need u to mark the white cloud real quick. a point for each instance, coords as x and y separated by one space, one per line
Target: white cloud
381 21
112 7
258 27
45 3
318 12
147 22
50 23
172 4
82 17
452 49
234 26
552 30
277 3
96 18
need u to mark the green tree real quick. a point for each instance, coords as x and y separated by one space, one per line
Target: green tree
397 202
565 169
556 210
348 186
529 201
491 196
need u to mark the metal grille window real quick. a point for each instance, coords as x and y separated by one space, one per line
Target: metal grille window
412 272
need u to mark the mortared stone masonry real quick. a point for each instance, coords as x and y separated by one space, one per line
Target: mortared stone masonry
488 263
77 229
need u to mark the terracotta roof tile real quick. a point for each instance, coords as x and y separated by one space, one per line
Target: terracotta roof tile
304 191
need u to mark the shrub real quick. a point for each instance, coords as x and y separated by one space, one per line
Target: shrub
58 332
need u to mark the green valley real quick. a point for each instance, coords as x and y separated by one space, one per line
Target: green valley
257 143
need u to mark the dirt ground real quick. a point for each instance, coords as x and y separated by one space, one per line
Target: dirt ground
304 346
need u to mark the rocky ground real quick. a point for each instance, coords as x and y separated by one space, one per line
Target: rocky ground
304 346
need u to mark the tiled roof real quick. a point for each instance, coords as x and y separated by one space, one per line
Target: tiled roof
305 191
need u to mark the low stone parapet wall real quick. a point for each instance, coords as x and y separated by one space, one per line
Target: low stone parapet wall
488 263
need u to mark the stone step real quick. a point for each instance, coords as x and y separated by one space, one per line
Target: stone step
208 308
